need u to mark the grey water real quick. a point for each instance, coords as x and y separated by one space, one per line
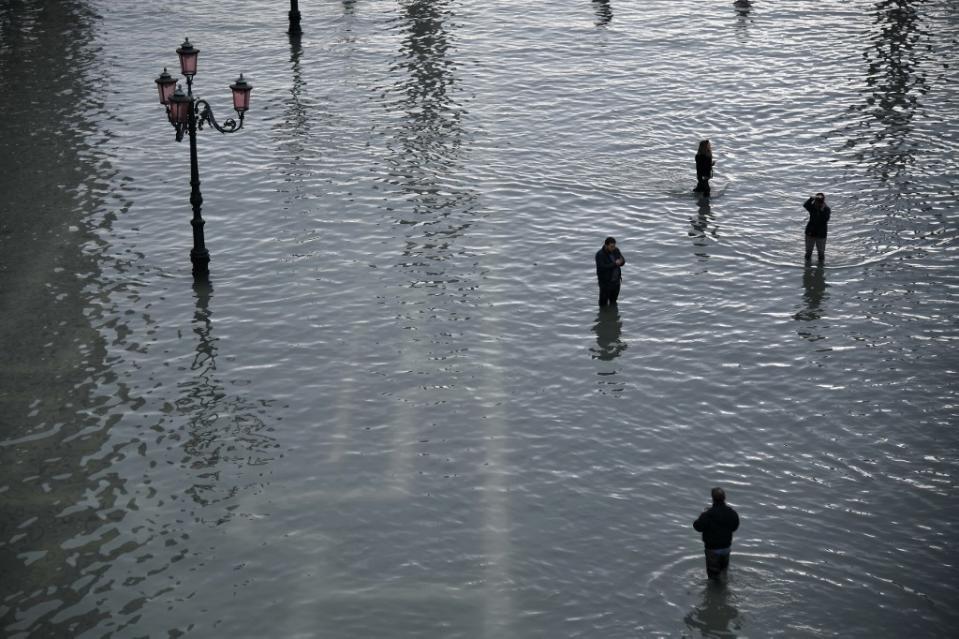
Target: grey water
395 410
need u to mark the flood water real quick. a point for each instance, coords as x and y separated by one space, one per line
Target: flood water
395 410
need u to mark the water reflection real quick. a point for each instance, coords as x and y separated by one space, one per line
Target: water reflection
428 141
427 146
814 293
609 345
294 126
204 360
295 117
221 427
701 225
604 12
895 81
385 542
742 7
715 616
60 501
292 129
608 329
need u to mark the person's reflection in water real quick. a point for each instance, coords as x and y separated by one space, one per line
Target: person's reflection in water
742 15
608 328
715 616
700 223
604 12
609 345
700 226
814 293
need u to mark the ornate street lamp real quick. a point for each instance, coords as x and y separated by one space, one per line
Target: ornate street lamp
187 114
165 85
188 56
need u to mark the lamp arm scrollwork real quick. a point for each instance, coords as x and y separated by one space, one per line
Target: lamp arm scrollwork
206 117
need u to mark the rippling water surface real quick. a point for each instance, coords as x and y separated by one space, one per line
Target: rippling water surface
395 411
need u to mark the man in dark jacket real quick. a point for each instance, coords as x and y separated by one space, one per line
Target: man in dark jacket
608 263
717 523
816 226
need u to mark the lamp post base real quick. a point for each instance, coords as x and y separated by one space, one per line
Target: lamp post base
295 23
201 264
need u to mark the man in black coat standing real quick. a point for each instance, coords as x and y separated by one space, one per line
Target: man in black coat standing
816 226
608 263
717 524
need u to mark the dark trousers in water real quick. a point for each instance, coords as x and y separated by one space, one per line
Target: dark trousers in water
608 293
819 243
702 186
717 561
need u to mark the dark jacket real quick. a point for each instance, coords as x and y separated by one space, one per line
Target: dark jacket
818 219
704 166
606 270
717 525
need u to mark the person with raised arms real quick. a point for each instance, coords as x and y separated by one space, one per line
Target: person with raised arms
816 226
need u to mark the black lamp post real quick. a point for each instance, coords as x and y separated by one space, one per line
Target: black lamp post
295 18
187 114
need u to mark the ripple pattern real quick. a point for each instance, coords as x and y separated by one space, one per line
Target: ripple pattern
395 410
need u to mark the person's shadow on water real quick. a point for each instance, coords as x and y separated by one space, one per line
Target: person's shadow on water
608 329
715 616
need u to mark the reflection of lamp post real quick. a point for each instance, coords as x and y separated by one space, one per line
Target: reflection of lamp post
295 18
187 114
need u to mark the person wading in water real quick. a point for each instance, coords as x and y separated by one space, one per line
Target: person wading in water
816 226
717 524
704 167
608 272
